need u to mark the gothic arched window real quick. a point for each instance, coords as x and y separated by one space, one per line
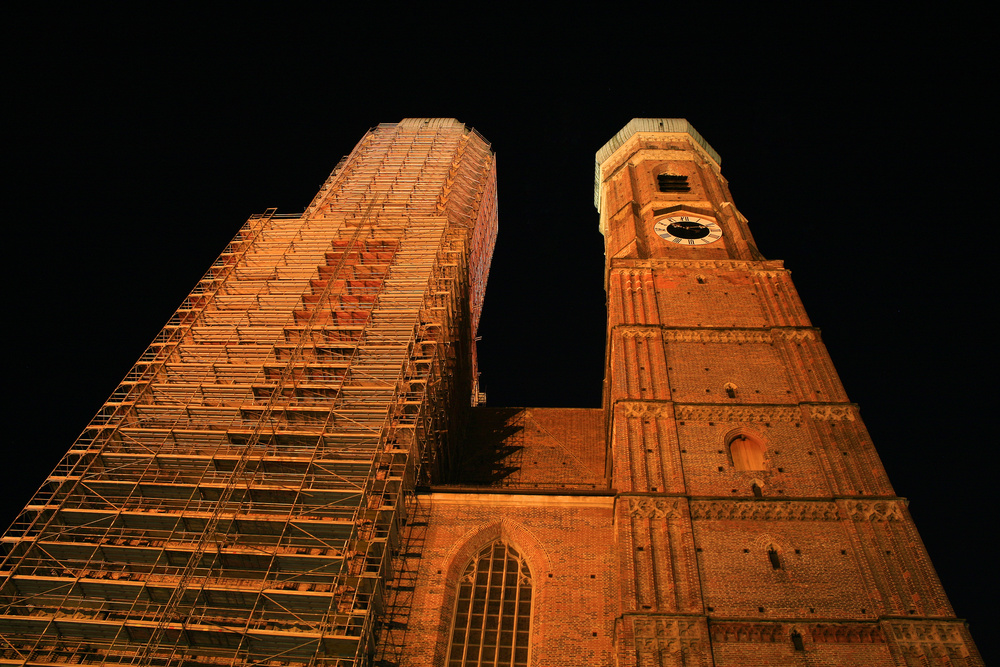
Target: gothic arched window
493 610
747 453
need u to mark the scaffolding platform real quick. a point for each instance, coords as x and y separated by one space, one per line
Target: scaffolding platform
239 498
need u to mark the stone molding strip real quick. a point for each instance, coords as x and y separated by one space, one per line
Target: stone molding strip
645 410
746 632
707 335
846 633
654 508
665 627
717 335
917 638
673 636
765 510
771 266
874 510
821 633
639 332
739 413
834 413
794 333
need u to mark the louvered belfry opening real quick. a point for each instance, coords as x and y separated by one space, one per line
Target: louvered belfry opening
493 613
239 498
672 183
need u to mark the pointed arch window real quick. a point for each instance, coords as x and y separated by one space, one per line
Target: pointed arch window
492 619
747 453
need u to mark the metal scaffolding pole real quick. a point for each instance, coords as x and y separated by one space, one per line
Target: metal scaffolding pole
238 499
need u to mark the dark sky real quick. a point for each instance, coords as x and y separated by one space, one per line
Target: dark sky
856 143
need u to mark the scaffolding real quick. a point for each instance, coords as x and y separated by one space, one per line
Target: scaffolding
239 498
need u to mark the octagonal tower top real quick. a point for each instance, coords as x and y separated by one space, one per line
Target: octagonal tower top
645 125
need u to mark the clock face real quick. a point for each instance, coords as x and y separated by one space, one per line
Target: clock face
687 230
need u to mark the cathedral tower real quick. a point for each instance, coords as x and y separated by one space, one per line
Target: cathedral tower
238 499
754 522
298 471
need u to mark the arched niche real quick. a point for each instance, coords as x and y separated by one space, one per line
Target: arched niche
746 451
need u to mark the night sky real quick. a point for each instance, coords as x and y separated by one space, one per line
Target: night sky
855 143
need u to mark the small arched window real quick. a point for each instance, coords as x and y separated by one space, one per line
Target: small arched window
772 555
730 390
747 453
756 490
493 611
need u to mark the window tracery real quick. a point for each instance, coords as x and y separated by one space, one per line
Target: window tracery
492 619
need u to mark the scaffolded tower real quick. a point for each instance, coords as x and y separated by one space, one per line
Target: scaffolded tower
238 498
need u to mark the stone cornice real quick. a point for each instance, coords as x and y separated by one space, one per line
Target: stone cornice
712 335
795 333
717 335
736 631
918 637
874 510
490 497
834 412
846 633
639 331
647 410
674 635
762 266
737 413
654 508
657 126
821 633
765 510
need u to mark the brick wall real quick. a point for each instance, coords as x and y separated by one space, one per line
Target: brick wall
568 543
534 448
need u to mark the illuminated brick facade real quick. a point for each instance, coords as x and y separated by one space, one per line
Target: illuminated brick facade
292 473
238 499
745 516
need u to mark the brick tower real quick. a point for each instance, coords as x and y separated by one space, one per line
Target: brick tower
292 476
754 523
237 500
725 507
